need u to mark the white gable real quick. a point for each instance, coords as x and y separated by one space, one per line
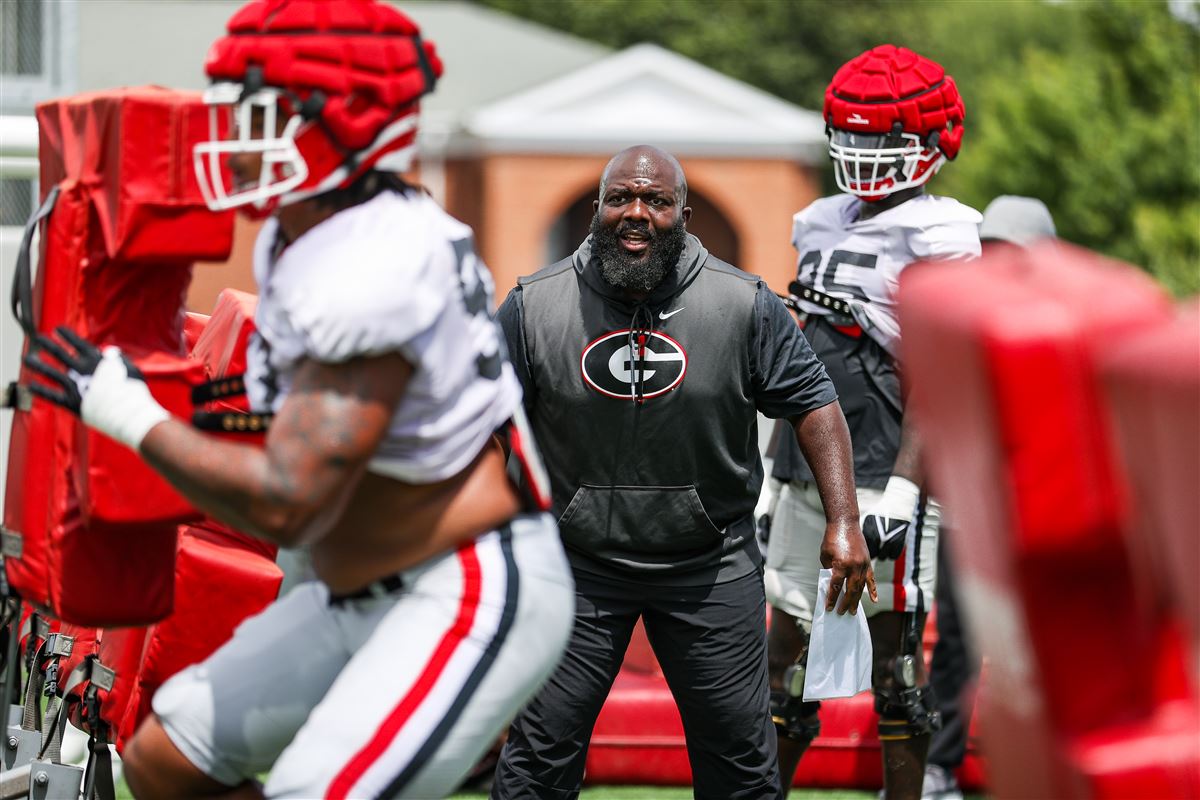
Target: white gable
646 94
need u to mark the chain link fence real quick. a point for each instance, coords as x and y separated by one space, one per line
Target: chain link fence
21 37
16 200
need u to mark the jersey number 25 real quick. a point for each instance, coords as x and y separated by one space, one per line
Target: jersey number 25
821 274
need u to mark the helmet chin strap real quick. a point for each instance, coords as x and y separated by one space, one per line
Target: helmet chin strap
883 203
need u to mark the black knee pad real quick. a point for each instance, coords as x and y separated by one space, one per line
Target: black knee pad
905 713
790 716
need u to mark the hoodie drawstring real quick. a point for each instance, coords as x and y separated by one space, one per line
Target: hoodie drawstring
638 334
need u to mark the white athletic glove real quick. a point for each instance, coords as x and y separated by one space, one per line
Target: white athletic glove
105 389
885 525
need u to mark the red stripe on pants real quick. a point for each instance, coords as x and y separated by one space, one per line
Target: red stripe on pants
399 716
900 596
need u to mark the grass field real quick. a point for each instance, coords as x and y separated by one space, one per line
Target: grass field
651 793
641 793
684 793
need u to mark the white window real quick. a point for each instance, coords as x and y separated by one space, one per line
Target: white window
36 52
22 28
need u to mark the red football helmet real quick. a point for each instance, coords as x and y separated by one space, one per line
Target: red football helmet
893 118
323 90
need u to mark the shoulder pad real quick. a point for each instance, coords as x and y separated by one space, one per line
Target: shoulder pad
950 230
824 213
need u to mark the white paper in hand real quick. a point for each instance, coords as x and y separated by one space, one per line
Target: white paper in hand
839 651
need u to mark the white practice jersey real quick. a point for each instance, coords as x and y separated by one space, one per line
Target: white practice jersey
861 261
396 274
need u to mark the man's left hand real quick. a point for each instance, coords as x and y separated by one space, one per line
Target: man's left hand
844 551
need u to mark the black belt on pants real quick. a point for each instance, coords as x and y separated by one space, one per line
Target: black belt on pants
383 587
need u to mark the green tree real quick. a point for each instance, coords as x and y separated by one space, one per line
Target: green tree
1105 132
787 48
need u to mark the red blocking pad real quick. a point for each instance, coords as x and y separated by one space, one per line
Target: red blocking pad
193 326
221 347
116 488
1152 384
219 583
1002 356
638 738
121 650
89 528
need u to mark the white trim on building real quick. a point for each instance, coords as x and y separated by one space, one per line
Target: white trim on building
59 29
18 147
646 93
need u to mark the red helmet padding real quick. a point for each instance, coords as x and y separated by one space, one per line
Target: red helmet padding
356 16
317 45
887 84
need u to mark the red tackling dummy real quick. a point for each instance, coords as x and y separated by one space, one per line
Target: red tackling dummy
219 583
89 529
118 649
222 342
1152 384
1086 682
193 326
221 347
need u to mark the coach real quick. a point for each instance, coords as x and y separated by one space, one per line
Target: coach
644 361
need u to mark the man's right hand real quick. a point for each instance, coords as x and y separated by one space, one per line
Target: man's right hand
886 523
844 551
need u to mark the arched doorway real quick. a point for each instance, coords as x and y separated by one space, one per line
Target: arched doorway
708 223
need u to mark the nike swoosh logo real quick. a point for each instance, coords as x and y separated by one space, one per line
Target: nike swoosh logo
669 314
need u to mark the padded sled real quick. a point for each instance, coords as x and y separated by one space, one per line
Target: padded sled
221 347
219 583
1002 356
89 528
638 738
1152 383
222 344
193 326
117 649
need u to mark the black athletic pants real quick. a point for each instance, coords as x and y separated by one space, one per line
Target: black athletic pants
711 643
955 664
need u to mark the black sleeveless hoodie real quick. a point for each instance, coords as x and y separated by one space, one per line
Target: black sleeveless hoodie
645 413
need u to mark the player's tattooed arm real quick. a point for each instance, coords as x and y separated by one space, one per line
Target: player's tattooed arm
319 443
824 439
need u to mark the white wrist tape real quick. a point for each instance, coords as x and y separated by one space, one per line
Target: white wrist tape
118 405
899 500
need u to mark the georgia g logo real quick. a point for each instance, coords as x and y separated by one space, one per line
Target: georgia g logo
610 367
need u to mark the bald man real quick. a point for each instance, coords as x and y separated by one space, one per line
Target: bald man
644 361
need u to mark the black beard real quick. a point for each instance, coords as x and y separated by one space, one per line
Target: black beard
624 270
